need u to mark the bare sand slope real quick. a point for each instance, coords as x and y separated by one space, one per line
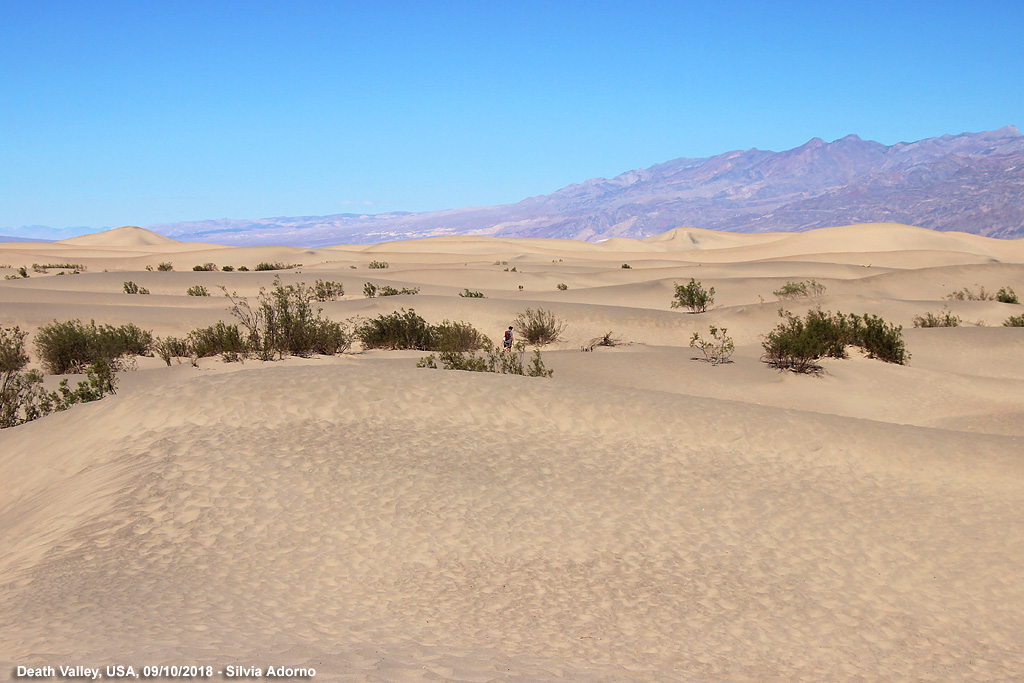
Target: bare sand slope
640 516
469 527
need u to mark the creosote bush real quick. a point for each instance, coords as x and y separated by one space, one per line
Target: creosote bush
73 347
1014 321
205 267
718 349
378 265
797 344
626 266
1006 295
562 286
795 290
538 327
492 360
471 294
132 288
388 290
227 269
328 291
944 318
165 266
197 290
693 296
277 265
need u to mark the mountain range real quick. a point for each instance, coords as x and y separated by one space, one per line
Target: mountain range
973 182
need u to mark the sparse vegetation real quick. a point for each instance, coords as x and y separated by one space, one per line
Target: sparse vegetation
944 318
73 347
1014 321
227 269
458 337
538 327
693 296
165 266
607 339
328 291
132 288
626 265
277 265
795 290
369 290
42 268
1006 295
718 349
798 344
966 294
492 360
206 267
378 265
561 286
243 269
471 294
388 290
405 330
197 290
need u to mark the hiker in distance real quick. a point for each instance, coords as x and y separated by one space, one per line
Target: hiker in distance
508 339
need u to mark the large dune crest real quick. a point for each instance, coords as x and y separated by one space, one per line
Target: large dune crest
127 236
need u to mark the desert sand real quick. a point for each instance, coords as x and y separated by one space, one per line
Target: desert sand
640 516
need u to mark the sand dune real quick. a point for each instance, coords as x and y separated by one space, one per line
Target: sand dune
641 516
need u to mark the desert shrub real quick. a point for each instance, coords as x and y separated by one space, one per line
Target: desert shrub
72 347
172 347
538 327
492 360
285 323
22 397
369 290
227 269
388 290
457 336
405 330
718 349
797 344
966 294
1006 295
132 288
945 318
378 265
206 267
197 290
1014 321
471 294
277 265
693 296
215 340
243 269
165 266
796 290
328 291
561 286
607 339
22 272
626 265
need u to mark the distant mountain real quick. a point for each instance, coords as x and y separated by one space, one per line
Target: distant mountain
972 182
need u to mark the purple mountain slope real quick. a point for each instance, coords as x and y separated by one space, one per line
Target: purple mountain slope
972 182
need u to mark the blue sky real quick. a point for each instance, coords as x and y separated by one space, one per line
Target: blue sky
117 113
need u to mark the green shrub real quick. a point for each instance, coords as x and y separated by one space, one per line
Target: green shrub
943 319
206 267
457 336
1014 321
197 290
966 294
718 349
132 288
243 269
797 344
1006 295
284 323
328 291
369 290
215 340
227 269
277 265
172 347
23 272
561 286
378 265
693 296
165 266
22 397
626 265
405 330
492 360
72 347
471 294
795 290
538 327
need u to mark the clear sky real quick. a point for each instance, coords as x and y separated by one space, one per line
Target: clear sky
117 113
